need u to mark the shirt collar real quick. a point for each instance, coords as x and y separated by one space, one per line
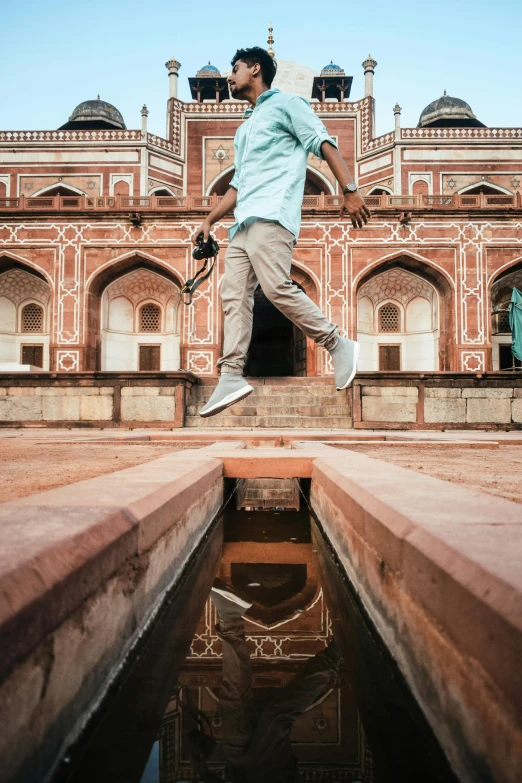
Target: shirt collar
262 97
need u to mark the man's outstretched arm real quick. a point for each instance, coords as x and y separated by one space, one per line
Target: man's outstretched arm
353 203
226 205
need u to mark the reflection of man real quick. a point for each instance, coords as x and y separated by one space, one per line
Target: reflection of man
257 748
271 152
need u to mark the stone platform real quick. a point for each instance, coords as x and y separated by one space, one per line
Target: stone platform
436 565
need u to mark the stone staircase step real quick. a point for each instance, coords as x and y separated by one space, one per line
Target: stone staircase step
291 410
312 403
296 422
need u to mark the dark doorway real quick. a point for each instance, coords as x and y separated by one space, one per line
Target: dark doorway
32 354
389 357
150 358
277 347
506 359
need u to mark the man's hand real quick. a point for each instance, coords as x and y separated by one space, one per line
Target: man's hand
205 228
357 210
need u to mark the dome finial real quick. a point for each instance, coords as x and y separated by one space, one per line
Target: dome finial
445 93
98 98
270 40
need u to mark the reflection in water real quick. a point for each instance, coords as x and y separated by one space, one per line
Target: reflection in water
263 695
264 691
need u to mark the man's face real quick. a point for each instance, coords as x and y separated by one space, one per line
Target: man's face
241 78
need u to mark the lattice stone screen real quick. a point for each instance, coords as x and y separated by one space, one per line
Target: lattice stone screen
503 321
389 318
32 318
150 318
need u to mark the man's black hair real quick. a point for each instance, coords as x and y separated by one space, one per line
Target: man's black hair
258 55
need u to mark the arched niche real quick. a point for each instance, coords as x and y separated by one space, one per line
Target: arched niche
25 315
486 188
416 333
501 337
220 186
59 189
315 183
121 187
115 297
380 190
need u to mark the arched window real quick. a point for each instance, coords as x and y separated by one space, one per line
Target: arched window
32 318
389 318
150 318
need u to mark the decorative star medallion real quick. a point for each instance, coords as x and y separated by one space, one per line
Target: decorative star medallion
515 183
91 185
221 154
451 183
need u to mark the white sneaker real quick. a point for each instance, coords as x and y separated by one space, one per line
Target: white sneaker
230 389
229 604
344 356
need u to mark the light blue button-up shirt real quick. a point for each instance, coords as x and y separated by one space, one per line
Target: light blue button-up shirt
271 151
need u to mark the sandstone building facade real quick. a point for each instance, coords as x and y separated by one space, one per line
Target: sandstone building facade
96 221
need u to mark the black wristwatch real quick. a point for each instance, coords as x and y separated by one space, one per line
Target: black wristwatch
351 187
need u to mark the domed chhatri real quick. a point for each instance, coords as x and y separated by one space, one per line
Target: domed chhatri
448 112
332 69
332 84
209 70
95 115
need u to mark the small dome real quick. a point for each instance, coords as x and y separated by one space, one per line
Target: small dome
208 70
96 115
332 67
448 112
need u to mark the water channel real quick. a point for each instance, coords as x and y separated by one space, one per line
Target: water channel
301 689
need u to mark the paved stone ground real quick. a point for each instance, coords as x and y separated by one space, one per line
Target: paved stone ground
497 471
27 467
33 461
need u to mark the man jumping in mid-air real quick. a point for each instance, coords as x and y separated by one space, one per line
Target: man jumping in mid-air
266 192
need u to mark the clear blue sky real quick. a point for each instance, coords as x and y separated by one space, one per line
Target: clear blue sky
56 54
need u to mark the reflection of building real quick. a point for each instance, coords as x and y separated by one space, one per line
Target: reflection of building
290 624
97 222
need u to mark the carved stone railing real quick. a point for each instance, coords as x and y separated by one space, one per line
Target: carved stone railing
37 136
320 203
461 133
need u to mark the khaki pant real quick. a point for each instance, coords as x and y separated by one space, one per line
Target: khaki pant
262 252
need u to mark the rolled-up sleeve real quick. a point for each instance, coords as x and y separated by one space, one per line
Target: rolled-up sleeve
307 127
234 182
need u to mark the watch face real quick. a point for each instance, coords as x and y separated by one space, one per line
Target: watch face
352 187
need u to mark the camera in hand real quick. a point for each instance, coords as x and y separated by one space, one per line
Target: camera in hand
208 249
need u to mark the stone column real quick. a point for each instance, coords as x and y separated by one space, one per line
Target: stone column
173 67
369 69
397 114
144 115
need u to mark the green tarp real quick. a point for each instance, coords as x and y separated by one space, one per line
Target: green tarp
515 323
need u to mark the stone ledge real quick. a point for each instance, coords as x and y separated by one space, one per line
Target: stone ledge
438 569
263 463
59 546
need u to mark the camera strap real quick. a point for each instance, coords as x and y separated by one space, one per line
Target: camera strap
190 287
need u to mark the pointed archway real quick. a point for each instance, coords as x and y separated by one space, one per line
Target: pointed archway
133 302
405 317
278 347
25 315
